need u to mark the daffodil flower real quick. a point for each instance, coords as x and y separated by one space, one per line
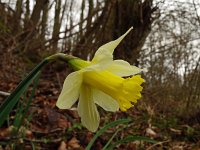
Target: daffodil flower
101 82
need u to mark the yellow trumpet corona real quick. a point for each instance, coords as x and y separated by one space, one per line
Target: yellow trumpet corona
124 91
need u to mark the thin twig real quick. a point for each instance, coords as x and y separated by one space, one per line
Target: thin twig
4 93
159 143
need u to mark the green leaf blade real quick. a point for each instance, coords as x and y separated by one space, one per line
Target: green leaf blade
12 100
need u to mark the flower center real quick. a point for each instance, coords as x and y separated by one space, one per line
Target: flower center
125 91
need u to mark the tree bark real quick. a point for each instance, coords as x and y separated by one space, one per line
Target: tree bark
56 26
17 17
116 18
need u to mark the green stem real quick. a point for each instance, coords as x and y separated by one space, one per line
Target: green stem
61 57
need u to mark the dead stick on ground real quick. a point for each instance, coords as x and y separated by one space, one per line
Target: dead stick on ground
4 93
159 143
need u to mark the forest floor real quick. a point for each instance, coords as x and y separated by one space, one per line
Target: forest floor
47 127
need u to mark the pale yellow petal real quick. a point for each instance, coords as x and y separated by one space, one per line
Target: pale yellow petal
105 52
70 91
102 65
123 68
105 101
87 109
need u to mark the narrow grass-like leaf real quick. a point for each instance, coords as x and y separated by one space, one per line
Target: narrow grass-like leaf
11 101
14 97
101 131
110 140
131 139
22 112
32 145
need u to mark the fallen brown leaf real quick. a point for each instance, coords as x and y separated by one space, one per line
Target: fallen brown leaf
63 146
73 143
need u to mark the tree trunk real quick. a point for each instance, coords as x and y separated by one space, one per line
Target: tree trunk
56 26
17 17
44 21
116 18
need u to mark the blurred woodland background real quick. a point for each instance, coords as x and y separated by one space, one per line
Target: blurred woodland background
165 39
